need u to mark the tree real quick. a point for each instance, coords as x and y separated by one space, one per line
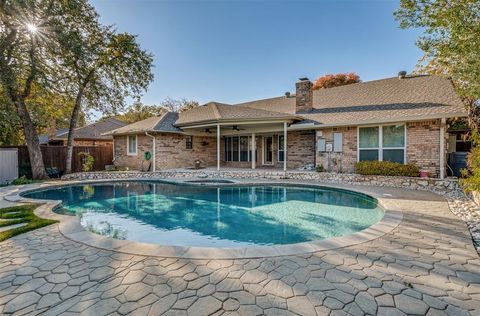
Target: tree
49 111
335 80
139 111
178 105
26 60
102 67
451 30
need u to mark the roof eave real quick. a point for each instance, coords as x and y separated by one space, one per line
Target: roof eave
238 121
383 121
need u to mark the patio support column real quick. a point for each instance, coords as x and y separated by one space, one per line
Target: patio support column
284 146
218 147
254 151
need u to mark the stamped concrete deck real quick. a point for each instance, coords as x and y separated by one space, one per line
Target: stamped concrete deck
426 265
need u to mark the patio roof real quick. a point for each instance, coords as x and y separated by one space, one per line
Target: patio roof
214 112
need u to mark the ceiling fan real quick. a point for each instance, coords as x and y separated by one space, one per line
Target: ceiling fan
236 128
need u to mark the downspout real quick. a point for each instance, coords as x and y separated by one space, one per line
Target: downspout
153 151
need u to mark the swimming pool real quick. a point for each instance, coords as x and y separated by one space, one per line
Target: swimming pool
214 215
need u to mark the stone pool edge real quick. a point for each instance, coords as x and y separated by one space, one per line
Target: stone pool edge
70 227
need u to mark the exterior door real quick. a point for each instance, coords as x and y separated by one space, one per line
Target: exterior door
268 150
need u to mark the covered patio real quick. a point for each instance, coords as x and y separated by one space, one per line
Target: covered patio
251 138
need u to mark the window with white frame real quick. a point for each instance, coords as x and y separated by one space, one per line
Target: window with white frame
132 144
237 148
384 143
281 148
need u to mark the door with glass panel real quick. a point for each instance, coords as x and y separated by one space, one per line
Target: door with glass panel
267 150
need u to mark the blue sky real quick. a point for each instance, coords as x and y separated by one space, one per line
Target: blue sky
234 51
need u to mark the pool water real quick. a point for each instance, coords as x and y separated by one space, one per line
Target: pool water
215 216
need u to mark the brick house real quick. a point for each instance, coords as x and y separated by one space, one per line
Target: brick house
402 119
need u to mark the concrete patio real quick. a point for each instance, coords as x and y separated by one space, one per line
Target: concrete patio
426 265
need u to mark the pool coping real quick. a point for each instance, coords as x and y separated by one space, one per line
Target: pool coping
70 227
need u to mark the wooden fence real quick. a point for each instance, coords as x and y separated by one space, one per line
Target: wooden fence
55 156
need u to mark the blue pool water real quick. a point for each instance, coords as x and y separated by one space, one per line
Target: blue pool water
215 216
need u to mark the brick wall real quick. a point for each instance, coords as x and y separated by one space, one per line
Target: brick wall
345 160
300 148
423 145
172 152
121 158
422 150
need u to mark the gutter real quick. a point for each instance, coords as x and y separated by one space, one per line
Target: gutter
154 145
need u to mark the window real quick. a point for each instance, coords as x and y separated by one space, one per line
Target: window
281 148
189 142
132 145
237 148
384 143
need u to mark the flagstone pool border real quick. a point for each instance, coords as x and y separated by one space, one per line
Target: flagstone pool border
71 228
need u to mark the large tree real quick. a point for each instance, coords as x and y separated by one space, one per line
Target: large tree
451 45
102 67
48 111
24 62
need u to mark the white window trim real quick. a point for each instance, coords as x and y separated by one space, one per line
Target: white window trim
380 141
279 150
128 145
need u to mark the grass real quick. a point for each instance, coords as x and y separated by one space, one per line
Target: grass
21 214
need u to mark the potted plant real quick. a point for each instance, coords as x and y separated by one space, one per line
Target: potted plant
197 164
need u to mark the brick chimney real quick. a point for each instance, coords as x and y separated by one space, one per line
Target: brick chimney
304 95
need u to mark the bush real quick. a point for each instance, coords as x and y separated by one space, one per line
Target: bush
386 168
319 168
22 180
471 181
88 161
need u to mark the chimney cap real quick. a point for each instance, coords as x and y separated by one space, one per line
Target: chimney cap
303 79
402 74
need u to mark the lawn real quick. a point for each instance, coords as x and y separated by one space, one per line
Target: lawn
18 215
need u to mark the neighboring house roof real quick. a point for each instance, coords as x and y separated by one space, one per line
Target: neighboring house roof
391 99
94 131
218 112
44 138
162 123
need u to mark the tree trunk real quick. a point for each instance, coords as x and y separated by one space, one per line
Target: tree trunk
71 131
33 145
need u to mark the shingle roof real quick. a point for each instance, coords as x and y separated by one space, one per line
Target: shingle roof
93 131
389 99
278 104
216 112
162 123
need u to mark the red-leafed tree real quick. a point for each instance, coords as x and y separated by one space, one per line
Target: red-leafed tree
335 80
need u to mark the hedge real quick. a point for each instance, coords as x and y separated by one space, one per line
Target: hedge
386 168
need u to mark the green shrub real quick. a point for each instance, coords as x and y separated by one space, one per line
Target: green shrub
386 168
88 161
20 181
319 168
471 180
